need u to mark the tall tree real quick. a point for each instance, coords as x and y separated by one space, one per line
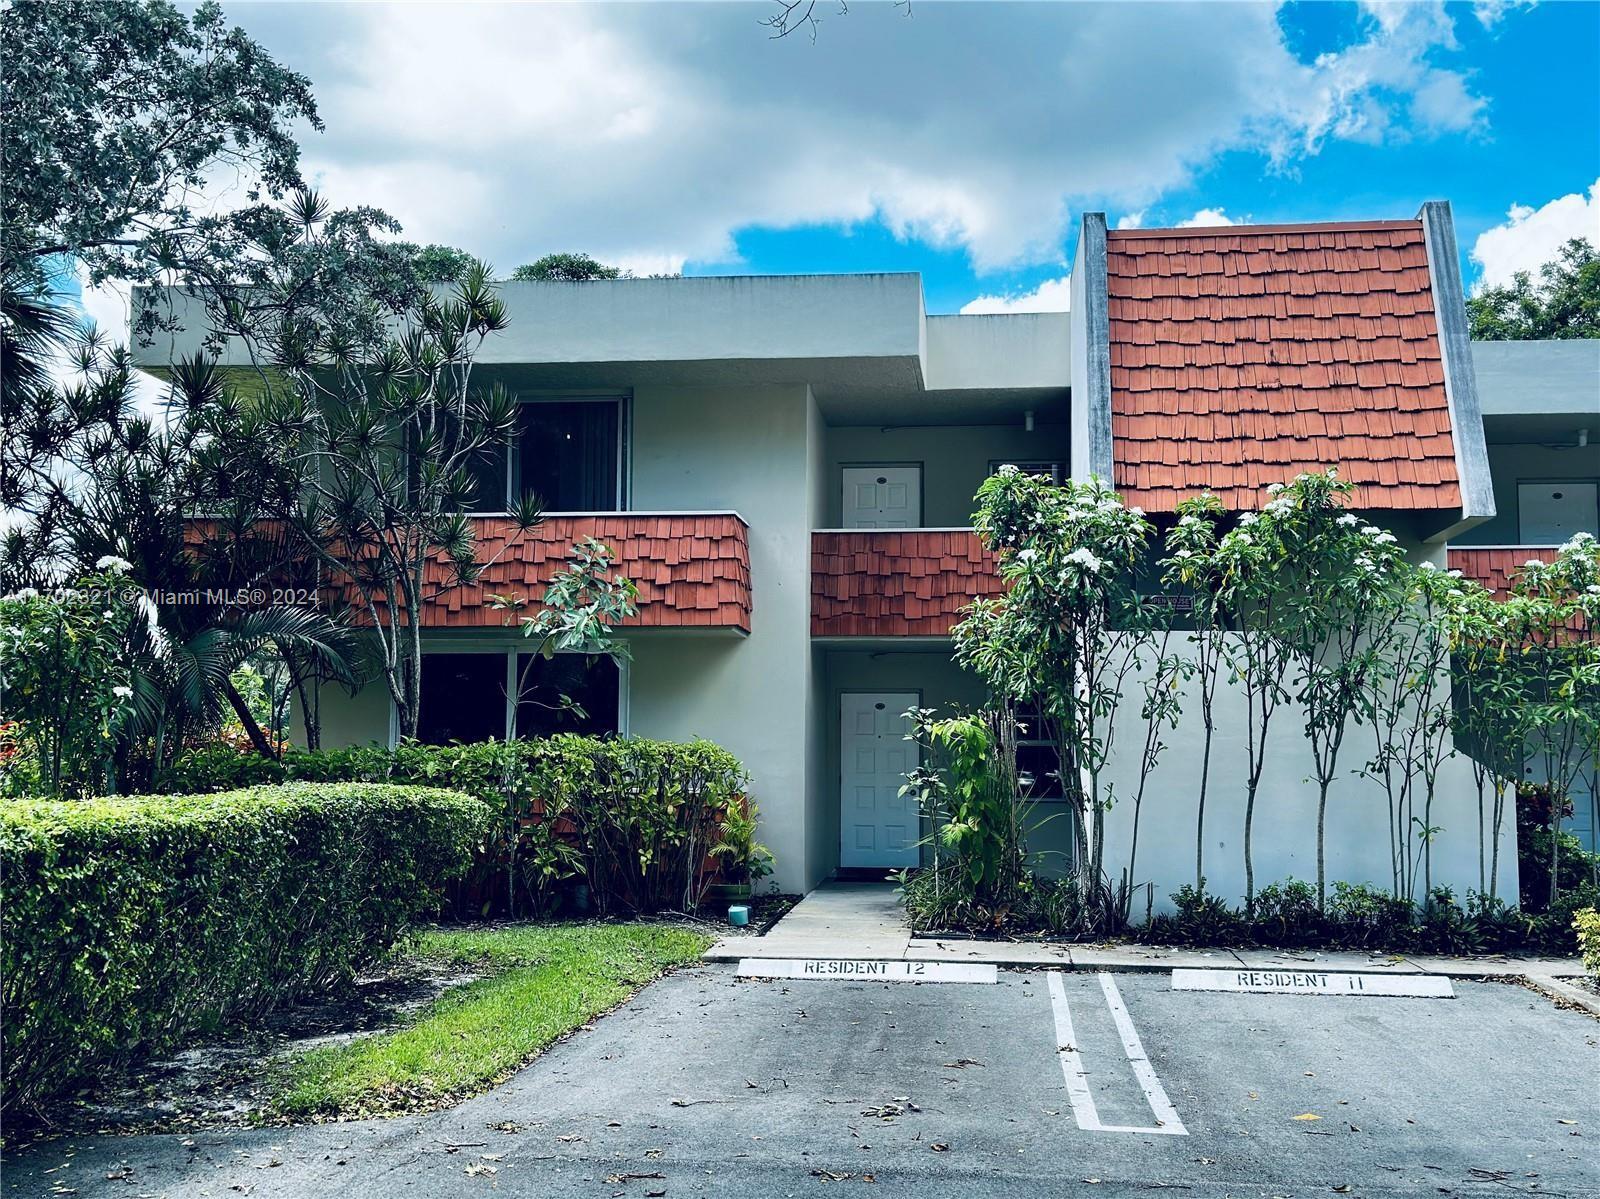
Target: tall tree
1563 303
566 268
117 115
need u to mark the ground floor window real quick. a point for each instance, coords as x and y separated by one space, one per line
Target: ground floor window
569 693
469 696
1038 758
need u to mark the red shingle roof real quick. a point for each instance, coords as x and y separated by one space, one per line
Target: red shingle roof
691 571
889 583
1241 356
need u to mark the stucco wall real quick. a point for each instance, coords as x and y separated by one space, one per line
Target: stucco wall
699 448
1514 464
955 460
1284 838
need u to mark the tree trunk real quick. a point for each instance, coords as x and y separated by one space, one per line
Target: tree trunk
1322 845
1249 866
1200 812
246 718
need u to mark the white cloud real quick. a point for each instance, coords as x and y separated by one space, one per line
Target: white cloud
654 134
1049 296
1205 218
1131 220
1490 12
1530 237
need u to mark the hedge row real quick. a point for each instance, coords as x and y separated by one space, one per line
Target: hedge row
630 819
134 923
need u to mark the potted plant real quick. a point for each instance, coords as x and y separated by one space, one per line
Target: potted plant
742 860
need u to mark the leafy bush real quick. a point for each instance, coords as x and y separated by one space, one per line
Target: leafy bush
66 681
1586 924
1202 918
132 923
633 819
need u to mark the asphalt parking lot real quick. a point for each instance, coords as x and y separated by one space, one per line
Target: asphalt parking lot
1042 1084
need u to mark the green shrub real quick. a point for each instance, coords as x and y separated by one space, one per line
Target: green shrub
1586 924
633 819
133 923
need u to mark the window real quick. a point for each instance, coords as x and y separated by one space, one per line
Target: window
1044 470
463 698
567 454
1038 759
569 693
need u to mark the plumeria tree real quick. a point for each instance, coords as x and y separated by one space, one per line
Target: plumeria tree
1245 573
1191 566
1339 595
1412 715
1494 712
1063 635
1554 612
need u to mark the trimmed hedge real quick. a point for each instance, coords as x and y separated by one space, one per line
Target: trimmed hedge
134 923
631 819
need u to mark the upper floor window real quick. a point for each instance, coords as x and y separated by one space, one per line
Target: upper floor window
568 452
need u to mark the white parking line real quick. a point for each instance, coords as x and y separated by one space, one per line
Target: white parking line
1077 1079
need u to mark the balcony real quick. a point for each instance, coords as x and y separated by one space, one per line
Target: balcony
692 568
1495 565
895 582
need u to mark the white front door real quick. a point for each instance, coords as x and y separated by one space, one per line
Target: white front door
877 825
1550 513
882 497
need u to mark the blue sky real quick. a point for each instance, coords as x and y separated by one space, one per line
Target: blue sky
963 142
1538 71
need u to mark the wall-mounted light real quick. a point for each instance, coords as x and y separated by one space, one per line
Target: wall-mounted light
1027 420
1583 438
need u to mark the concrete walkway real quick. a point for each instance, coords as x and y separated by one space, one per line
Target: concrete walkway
865 920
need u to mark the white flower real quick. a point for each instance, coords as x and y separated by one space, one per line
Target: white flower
1348 519
1242 537
1249 518
1008 470
1274 488
1592 589
1371 530
1136 510
1454 574
1084 557
1184 554
1578 539
122 692
114 564
1385 539
1027 555
1333 472
1532 564
1428 566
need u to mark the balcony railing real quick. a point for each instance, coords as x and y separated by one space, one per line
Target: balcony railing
1495 565
692 568
895 582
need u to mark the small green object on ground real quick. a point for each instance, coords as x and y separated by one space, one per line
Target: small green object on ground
547 981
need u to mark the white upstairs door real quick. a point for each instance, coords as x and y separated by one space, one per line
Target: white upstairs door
877 825
1550 513
882 497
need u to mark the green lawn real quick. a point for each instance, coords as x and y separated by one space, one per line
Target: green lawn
547 980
